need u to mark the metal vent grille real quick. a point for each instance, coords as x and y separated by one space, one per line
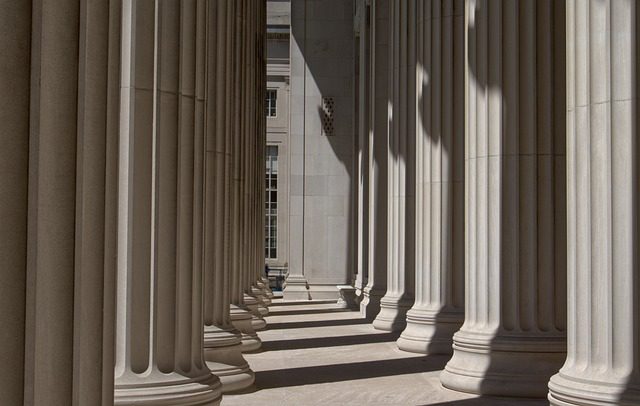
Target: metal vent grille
328 108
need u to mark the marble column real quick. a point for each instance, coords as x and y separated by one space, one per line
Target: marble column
513 336
401 170
58 127
222 342
438 311
377 156
603 360
159 320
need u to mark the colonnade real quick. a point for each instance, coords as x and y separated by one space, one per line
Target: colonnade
132 166
502 154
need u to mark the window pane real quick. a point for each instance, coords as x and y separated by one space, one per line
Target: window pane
271 194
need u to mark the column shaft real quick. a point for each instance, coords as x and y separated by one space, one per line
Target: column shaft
159 317
377 159
513 336
438 310
222 341
55 246
362 148
401 170
241 316
603 360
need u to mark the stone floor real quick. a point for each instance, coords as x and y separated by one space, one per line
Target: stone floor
314 353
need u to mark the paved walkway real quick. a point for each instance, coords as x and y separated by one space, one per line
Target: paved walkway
316 354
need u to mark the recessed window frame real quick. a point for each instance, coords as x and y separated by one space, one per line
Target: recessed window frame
271 204
271 103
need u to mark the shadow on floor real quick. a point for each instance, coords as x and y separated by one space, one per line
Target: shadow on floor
492 401
303 303
318 323
307 311
322 342
281 378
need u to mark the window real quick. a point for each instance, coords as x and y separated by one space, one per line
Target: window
270 102
271 204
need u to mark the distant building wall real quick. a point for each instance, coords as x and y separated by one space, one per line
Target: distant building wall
321 220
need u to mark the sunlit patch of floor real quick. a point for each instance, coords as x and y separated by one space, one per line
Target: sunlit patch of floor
317 354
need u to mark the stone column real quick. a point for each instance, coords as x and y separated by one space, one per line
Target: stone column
57 133
222 342
258 130
513 337
377 159
252 292
401 170
362 149
159 322
438 311
603 360
261 87
241 317
15 41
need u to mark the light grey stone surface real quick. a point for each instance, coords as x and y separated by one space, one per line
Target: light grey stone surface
317 354
222 342
602 365
513 336
322 207
401 209
377 145
438 310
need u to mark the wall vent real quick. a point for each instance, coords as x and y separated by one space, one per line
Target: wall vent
328 108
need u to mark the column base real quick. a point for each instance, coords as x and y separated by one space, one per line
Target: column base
253 305
261 293
370 304
392 315
297 288
568 390
159 389
267 289
241 320
258 294
223 354
515 366
348 299
430 331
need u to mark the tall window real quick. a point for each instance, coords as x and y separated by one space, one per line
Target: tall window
270 102
271 204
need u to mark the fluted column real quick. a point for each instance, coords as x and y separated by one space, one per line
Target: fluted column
261 88
438 311
241 317
256 117
401 169
222 342
513 337
251 292
159 311
15 39
377 159
603 360
56 170
362 206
